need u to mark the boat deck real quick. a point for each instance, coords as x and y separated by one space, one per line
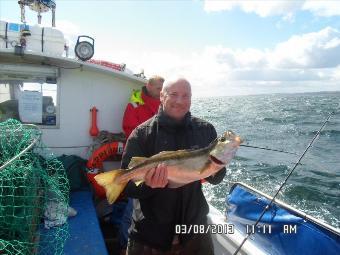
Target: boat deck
84 229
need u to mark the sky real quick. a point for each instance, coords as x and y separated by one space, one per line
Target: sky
223 48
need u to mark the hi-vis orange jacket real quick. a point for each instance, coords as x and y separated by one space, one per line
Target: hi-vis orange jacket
141 108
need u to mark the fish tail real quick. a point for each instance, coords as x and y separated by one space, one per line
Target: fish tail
108 181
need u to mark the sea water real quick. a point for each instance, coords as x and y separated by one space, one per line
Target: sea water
285 122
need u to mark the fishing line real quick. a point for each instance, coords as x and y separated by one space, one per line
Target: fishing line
268 149
284 182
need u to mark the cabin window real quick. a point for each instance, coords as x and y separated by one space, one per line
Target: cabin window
30 102
29 93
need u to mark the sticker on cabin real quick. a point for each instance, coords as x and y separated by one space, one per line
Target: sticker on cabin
14 27
30 106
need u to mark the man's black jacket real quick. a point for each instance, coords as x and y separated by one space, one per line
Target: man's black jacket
158 210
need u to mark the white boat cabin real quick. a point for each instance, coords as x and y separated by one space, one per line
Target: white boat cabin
57 93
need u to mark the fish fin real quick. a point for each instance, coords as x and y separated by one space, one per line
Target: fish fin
112 188
139 182
170 153
136 161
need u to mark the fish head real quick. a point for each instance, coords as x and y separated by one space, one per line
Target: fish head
225 148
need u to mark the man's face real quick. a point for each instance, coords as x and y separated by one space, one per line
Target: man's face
154 88
176 100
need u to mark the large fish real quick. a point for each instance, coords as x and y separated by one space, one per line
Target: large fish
184 166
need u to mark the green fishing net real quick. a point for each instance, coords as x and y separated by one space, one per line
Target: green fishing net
34 193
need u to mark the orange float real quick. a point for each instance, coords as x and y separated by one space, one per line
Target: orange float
94 131
96 162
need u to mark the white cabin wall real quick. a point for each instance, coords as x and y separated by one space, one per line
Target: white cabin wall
4 93
79 92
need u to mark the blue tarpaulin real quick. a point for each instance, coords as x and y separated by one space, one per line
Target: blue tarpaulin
280 230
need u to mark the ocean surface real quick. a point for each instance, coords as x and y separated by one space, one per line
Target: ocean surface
284 122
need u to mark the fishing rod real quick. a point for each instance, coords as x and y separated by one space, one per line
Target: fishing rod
268 149
284 182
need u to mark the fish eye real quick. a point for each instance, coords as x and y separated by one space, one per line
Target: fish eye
222 139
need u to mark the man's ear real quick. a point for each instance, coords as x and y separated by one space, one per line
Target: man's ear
161 96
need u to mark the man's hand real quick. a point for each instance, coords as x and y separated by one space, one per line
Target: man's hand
157 177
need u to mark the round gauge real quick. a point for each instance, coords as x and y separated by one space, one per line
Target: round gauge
50 109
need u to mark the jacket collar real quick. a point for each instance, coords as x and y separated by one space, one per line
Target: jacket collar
148 100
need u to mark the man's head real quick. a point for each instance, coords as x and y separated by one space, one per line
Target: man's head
154 86
176 98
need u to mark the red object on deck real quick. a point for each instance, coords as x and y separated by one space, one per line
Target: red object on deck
96 162
103 152
94 131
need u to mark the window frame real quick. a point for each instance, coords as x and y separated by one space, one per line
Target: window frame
40 79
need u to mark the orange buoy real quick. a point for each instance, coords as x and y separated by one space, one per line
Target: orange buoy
94 131
103 152
96 161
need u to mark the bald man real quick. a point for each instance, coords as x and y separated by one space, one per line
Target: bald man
159 209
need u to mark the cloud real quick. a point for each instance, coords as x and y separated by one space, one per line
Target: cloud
68 27
336 74
309 60
268 74
261 8
323 8
70 31
305 62
249 58
276 8
313 50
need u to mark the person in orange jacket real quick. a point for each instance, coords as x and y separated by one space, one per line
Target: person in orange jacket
143 104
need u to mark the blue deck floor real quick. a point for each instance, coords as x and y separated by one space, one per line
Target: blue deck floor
85 235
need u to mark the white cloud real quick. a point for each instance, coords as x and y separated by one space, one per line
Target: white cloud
68 27
273 8
70 31
213 6
269 74
305 62
309 60
336 74
250 58
323 8
261 8
313 50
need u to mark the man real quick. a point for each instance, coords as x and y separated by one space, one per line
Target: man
143 104
158 209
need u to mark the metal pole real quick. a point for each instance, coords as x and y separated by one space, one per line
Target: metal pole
53 16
